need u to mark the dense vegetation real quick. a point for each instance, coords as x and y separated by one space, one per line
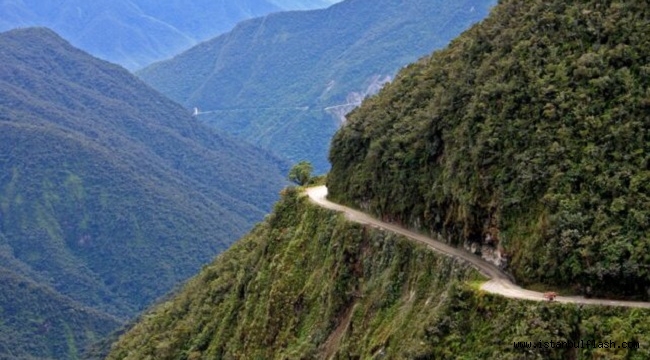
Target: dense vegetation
533 128
135 33
111 194
38 322
308 284
272 80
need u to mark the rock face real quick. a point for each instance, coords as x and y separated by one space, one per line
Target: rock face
489 253
355 98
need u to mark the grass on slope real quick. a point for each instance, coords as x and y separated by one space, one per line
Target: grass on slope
306 283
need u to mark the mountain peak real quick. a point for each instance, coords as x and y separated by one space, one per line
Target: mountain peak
41 32
34 39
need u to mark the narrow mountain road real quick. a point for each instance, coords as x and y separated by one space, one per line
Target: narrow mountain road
499 282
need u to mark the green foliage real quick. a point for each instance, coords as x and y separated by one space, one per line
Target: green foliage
301 173
270 80
111 194
306 283
482 326
531 127
38 322
289 287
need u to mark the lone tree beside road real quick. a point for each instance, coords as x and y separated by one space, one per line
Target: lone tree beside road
301 173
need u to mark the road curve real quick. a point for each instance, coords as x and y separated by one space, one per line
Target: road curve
499 282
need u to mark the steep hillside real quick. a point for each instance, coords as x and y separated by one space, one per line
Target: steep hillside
530 132
51 326
135 33
111 194
285 81
308 284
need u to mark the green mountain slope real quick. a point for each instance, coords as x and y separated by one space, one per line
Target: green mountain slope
111 194
51 326
509 132
135 33
285 81
531 130
308 284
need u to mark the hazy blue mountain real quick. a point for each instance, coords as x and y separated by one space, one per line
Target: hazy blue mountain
286 80
110 193
135 33
303 4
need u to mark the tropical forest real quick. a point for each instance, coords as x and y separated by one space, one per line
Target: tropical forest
324 179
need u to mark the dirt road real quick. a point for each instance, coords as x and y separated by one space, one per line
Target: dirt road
499 282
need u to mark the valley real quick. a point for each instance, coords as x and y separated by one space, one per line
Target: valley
278 81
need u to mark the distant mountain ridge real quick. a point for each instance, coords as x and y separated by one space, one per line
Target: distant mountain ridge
110 193
135 33
279 80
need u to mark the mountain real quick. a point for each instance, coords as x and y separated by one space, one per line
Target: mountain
529 134
302 4
286 80
135 33
110 193
35 320
308 284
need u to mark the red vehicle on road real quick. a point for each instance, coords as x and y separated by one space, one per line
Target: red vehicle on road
550 295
